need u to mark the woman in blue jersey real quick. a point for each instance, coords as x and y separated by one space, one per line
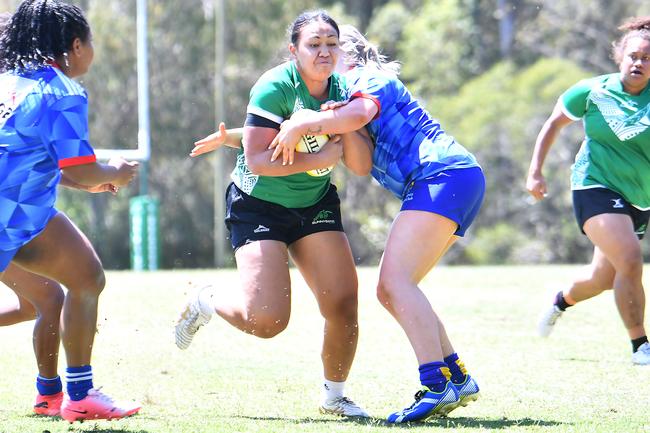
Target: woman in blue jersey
44 142
275 212
610 181
441 187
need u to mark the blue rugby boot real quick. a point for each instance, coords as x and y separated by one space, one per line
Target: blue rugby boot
428 404
468 391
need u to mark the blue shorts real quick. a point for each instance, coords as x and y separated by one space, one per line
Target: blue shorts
22 232
455 194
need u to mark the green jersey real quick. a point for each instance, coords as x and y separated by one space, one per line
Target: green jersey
274 98
616 151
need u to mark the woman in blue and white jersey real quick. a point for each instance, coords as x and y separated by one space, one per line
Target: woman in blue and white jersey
441 186
43 143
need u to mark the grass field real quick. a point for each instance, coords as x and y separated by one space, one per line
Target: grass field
579 380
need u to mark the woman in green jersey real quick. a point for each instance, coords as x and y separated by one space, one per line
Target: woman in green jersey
610 181
275 211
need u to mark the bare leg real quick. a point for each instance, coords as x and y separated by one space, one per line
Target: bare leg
325 260
598 277
61 252
614 235
40 294
262 305
403 266
16 312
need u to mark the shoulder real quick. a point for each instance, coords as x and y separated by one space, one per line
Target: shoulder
281 76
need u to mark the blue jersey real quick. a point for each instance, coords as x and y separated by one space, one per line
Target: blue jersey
409 144
43 128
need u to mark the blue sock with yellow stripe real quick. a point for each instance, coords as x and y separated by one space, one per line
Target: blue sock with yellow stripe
456 367
434 375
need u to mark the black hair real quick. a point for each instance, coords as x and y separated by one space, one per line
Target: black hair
633 27
39 32
306 18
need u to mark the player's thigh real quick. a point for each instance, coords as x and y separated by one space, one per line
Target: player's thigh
326 263
63 253
613 234
416 241
32 288
264 275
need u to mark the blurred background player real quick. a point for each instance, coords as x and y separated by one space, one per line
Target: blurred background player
610 181
275 210
441 186
44 133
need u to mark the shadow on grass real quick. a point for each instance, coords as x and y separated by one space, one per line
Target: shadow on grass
82 427
450 423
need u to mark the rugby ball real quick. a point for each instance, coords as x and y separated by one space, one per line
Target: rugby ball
313 144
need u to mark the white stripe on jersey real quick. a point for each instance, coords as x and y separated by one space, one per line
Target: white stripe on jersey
265 114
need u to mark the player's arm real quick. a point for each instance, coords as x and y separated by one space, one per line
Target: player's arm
357 151
256 141
118 172
350 117
223 137
536 183
104 187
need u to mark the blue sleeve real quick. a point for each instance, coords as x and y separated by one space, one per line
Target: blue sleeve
66 131
375 86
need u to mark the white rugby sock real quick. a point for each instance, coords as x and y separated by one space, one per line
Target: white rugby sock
332 390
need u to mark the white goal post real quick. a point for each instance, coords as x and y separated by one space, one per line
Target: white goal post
143 151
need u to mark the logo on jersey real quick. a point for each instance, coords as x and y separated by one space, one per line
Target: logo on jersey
261 229
617 203
624 126
641 229
323 217
18 89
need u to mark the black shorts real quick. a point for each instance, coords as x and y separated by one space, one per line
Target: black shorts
250 219
596 201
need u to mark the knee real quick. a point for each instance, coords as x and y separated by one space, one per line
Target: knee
90 280
630 264
387 289
267 326
342 308
51 304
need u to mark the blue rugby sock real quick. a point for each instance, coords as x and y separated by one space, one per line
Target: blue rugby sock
434 375
79 380
47 386
456 367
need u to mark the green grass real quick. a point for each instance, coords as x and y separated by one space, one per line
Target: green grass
579 380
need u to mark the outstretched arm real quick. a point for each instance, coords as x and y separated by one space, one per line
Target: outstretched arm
223 137
350 117
536 183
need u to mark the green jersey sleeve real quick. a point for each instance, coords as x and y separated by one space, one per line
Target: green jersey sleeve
272 97
575 98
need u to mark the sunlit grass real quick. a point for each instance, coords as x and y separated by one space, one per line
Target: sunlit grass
579 380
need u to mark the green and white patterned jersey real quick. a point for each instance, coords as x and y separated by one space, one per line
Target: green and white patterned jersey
274 98
616 151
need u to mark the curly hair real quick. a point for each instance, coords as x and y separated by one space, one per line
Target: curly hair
39 32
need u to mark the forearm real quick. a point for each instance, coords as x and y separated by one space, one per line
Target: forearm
347 118
234 137
543 143
357 152
92 174
69 183
260 164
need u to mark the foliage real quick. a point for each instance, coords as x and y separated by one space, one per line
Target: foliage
490 70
